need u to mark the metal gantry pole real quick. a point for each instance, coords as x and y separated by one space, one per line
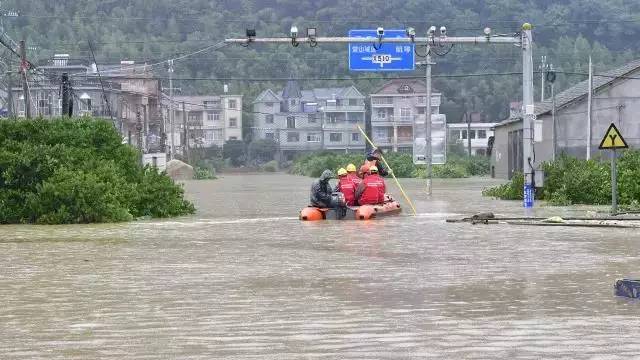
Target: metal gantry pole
589 109
529 115
427 123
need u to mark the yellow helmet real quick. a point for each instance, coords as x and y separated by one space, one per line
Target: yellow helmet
342 172
373 169
351 168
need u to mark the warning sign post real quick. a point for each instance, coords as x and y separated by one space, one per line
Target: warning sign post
613 140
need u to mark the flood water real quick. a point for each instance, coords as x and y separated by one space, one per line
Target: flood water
244 279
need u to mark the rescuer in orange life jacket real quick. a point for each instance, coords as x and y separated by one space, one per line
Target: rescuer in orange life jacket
371 190
346 187
373 159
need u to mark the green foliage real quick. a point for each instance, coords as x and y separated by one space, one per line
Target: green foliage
77 171
401 163
573 181
203 173
512 190
271 166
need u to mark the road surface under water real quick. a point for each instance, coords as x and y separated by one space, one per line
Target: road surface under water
243 279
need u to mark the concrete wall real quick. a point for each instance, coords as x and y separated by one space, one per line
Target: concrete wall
618 103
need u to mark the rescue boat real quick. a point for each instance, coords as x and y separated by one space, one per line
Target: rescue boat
362 212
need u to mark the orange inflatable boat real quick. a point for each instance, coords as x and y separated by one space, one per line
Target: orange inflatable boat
364 212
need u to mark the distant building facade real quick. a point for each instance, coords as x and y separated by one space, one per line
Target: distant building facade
616 99
131 91
211 120
479 133
310 120
398 113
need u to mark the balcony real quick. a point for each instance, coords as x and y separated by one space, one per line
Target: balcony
342 125
382 102
343 108
390 120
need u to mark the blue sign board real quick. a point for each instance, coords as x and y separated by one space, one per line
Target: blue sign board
528 196
381 56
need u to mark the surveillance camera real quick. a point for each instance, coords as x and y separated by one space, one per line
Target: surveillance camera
411 32
443 31
432 31
380 32
294 31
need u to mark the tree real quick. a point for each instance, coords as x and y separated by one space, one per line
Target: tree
263 150
234 150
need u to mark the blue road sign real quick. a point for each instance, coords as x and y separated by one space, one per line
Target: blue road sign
528 196
381 57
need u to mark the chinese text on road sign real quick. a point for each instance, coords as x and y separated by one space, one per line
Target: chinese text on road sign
381 56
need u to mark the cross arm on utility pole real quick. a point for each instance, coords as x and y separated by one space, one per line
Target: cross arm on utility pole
435 40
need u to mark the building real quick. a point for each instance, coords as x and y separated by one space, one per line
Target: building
616 99
126 94
398 114
478 132
212 119
310 120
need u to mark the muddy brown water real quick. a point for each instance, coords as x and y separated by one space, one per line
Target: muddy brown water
244 279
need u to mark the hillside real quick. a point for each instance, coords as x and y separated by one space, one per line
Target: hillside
154 30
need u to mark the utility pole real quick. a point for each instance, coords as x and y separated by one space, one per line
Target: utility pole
186 133
12 112
590 109
524 40
65 94
139 129
427 122
367 123
172 141
529 114
467 118
25 86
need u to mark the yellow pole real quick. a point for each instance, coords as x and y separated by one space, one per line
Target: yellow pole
389 167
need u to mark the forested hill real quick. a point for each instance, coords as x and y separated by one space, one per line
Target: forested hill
154 30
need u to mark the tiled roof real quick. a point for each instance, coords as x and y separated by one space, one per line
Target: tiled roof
581 89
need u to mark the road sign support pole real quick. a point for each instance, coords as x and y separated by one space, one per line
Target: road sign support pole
614 183
529 114
427 123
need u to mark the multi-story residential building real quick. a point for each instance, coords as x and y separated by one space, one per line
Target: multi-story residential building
211 119
131 92
310 120
398 113
478 132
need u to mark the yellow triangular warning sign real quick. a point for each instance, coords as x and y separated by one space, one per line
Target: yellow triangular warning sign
613 139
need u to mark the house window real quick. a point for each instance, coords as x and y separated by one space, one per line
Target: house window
269 105
210 104
193 117
269 136
353 102
43 106
454 134
268 119
335 137
421 110
210 116
292 102
355 137
233 122
293 137
312 119
233 138
382 113
291 122
472 134
233 104
354 116
405 112
332 118
463 134
482 134
313 137
208 136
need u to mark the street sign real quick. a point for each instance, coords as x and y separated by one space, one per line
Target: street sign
438 140
613 139
381 56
